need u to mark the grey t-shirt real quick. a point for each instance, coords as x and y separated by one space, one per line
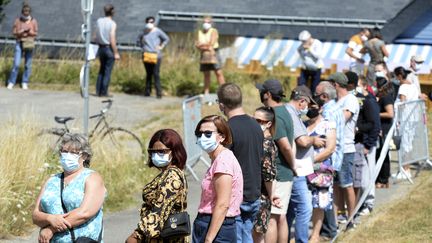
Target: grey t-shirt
103 30
299 130
351 104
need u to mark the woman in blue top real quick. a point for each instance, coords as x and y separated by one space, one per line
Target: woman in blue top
83 196
152 40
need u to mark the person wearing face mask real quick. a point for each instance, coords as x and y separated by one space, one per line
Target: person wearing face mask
325 96
271 94
76 210
322 194
152 40
222 186
377 50
416 63
366 138
310 53
247 146
300 206
25 29
166 194
355 44
208 41
266 118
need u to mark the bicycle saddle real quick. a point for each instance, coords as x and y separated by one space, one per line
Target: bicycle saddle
63 120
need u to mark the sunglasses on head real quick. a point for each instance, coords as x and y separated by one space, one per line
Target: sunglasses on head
159 151
208 134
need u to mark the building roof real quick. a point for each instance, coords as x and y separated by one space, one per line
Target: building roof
62 19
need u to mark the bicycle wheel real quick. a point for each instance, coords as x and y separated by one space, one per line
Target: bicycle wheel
51 138
124 142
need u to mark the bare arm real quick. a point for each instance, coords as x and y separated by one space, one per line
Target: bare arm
222 184
94 195
329 148
402 98
287 151
113 42
304 141
389 112
43 219
384 50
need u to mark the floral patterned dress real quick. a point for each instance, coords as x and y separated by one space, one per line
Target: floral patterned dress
268 174
322 197
163 196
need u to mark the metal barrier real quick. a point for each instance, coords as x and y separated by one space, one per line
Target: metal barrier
411 126
191 116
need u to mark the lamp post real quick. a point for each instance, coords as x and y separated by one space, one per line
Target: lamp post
87 9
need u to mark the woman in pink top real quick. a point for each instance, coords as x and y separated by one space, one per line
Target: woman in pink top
222 186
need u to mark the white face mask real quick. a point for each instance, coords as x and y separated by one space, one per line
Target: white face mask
304 111
206 26
418 66
263 127
149 26
69 161
160 160
208 144
363 38
380 74
359 90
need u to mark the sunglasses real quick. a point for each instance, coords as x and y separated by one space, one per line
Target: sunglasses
262 122
159 151
208 134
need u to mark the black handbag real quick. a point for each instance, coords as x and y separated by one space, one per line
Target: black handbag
177 224
81 239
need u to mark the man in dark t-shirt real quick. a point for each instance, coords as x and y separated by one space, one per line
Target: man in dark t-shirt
247 146
271 94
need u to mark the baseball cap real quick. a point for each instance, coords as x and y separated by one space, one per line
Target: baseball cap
339 78
304 35
303 91
417 58
271 85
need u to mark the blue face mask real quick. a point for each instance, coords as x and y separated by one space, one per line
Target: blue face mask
208 144
69 161
160 160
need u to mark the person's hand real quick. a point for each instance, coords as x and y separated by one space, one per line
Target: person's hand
45 235
158 48
319 142
365 151
58 222
276 201
117 56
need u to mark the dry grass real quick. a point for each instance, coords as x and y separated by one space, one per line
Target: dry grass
27 161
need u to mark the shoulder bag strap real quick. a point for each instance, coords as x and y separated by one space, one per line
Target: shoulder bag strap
64 207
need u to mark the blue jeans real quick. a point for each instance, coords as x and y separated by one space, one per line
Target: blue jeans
28 56
226 233
106 57
314 75
345 176
300 209
244 222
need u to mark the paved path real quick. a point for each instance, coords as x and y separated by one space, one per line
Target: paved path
129 111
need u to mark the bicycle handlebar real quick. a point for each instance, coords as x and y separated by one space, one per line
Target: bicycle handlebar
108 106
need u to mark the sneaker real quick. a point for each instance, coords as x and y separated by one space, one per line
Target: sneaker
342 219
351 226
24 86
401 176
365 211
10 86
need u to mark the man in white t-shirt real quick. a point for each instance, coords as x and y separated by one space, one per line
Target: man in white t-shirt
350 107
355 44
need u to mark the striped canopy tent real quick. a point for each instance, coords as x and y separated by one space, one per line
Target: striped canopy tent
270 52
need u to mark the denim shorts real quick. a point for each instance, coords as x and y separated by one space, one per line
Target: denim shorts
345 176
226 234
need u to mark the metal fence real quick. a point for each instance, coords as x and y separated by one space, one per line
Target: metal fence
191 116
411 127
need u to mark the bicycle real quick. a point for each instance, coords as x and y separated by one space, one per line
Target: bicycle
121 138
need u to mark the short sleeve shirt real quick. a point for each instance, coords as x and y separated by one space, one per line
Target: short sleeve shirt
356 44
284 128
351 104
332 112
299 130
225 163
